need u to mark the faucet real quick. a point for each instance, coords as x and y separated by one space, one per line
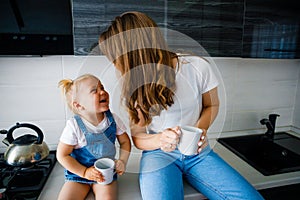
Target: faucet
270 123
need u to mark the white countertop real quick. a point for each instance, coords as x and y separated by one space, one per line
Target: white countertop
128 183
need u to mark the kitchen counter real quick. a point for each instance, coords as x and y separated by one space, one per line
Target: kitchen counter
129 189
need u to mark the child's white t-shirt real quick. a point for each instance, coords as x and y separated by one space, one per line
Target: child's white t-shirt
72 135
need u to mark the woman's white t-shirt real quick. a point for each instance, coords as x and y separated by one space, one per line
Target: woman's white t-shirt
72 135
194 77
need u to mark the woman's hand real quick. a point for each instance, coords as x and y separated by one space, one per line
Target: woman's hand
91 173
120 167
203 142
169 139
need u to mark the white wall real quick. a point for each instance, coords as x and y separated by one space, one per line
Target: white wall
296 119
253 88
257 87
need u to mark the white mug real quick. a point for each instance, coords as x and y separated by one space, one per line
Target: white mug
188 143
107 167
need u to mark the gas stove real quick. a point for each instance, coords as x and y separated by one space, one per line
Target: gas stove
17 183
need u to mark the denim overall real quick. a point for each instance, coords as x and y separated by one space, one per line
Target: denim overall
99 145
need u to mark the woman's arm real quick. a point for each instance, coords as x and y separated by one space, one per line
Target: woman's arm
210 108
166 140
142 140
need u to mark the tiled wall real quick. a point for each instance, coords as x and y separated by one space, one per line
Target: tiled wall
253 88
256 88
296 119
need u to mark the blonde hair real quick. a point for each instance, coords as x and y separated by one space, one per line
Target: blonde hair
134 43
69 89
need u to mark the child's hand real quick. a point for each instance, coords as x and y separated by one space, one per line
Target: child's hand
120 167
93 174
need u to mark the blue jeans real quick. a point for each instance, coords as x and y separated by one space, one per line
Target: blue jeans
161 176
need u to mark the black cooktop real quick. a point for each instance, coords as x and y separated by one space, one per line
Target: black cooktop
17 183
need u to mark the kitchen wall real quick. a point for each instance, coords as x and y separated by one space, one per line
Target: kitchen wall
250 90
296 120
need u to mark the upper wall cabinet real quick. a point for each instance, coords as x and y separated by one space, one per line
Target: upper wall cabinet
271 29
228 28
92 17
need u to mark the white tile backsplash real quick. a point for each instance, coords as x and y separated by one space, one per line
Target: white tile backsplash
30 71
296 115
265 95
266 70
31 103
228 70
253 88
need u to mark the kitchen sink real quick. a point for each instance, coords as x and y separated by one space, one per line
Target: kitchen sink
280 154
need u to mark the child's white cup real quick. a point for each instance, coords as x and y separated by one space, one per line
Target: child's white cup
188 143
107 167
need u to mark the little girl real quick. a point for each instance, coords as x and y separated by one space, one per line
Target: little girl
88 136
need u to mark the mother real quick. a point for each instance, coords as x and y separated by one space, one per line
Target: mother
163 91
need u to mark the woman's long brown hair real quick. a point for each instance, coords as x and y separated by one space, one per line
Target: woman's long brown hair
135 44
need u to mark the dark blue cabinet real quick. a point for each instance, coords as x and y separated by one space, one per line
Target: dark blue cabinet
228 28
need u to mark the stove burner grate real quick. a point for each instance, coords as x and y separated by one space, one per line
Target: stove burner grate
26 181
